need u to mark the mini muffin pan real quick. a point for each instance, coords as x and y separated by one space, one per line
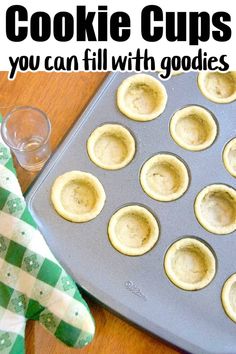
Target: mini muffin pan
137 287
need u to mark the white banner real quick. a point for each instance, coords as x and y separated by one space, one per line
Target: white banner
122 35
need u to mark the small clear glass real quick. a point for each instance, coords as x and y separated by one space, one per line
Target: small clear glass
26 130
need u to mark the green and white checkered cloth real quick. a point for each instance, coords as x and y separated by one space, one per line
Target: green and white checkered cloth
33 285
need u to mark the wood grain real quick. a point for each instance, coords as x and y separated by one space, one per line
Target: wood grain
63 97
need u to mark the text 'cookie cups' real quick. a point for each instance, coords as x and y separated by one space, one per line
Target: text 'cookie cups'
78 196
193 128
111 146
215 209
141 97
133 230
229 157
164 177
228 297
218 87
190 264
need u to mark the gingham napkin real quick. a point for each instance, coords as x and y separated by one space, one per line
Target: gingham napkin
33 285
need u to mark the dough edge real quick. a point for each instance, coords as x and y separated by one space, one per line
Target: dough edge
228 146
62 180
113 129
129 251
197 207
201 85
206 116
201 246
162 157
225 297
149 80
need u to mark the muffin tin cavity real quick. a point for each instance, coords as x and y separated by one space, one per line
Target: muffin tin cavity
141 97
133 230
229 157
218 87
215 208
193 128
111 146
228 297
78 196
164 177
190 264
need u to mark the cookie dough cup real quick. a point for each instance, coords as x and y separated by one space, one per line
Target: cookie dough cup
218 87
229 157
78 196
190 264
193 128
141 97
164 177
133 230
215 209
228 297
111 146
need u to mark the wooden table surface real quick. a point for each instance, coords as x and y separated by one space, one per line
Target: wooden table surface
63 97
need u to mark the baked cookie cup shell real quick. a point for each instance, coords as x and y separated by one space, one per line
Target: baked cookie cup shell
190 264
111 146
218 87
228 297
78 196
193 128
215 208
229 157
164 177
133 230
141 97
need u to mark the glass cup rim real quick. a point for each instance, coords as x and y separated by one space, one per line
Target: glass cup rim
24 108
